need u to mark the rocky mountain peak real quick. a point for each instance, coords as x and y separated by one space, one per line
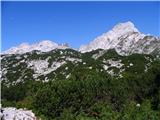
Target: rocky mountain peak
43 46
124 28
125 38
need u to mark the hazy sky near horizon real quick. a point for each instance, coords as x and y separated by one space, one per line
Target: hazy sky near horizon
75 23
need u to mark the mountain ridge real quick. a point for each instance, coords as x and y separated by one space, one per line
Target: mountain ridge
43 46
125 38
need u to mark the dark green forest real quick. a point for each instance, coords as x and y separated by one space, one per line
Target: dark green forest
91 94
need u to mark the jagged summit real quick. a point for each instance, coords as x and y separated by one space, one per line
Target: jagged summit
110 39
125 38
125 27
43 46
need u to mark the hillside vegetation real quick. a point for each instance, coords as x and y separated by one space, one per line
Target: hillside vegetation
97 85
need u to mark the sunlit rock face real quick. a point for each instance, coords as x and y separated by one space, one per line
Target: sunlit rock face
10 113
126 39
43 46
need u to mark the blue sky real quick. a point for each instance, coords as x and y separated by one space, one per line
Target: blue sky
76 23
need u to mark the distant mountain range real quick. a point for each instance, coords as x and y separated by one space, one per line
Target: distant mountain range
124 38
